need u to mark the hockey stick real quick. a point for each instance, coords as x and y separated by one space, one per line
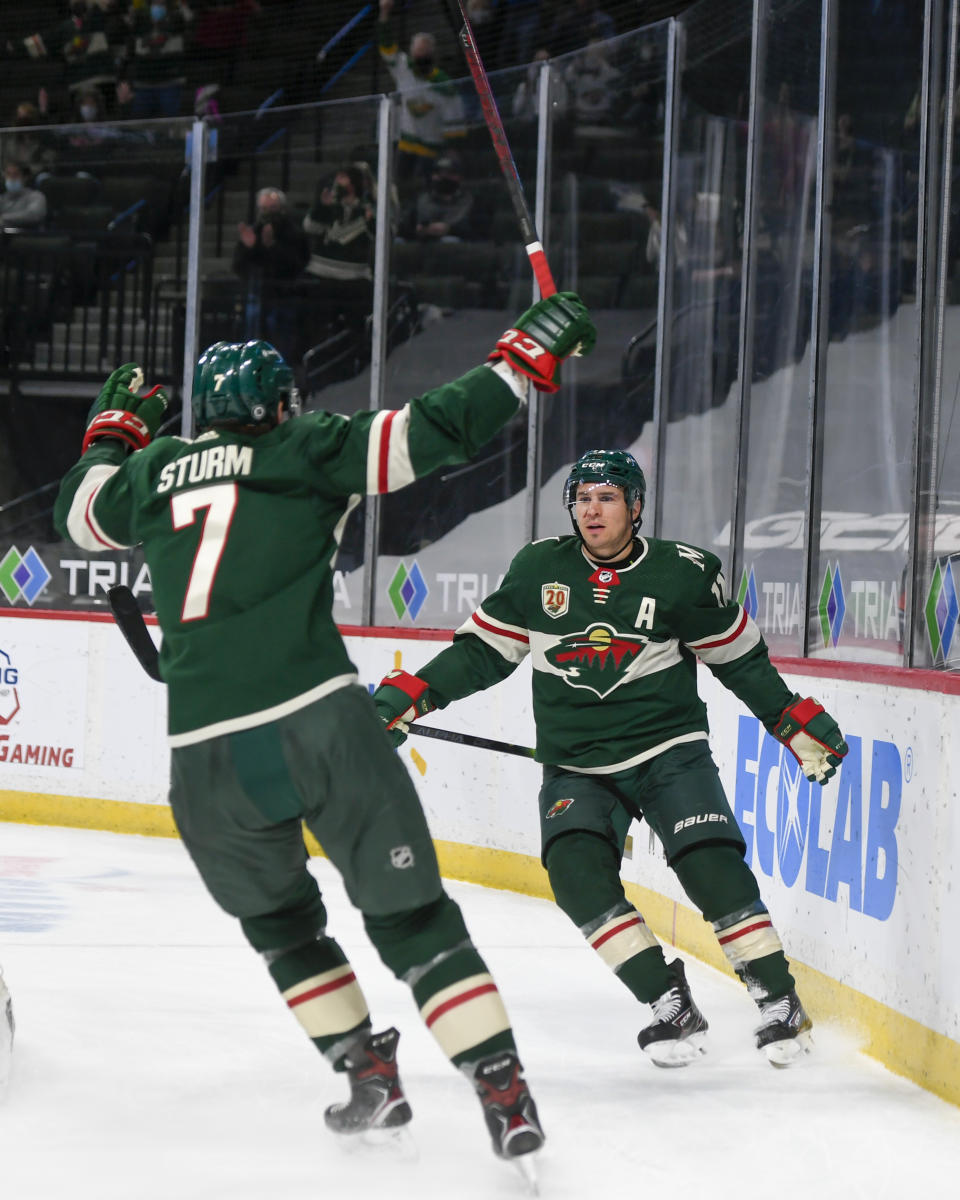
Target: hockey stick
467 739
528 231
127 614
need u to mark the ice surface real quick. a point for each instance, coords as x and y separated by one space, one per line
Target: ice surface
154 1060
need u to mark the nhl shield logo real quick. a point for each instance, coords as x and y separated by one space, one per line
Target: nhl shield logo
555 598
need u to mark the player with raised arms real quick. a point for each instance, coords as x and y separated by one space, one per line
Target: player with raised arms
267 723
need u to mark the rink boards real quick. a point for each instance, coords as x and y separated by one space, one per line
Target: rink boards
860 877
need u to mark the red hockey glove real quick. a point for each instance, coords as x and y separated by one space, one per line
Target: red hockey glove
400 699
813 738
544 336
119 413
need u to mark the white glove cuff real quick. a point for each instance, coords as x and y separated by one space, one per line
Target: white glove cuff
517 382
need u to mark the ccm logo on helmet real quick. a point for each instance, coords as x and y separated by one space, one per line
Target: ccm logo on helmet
700 819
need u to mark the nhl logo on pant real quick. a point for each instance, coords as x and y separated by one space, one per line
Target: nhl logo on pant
401 857
555 598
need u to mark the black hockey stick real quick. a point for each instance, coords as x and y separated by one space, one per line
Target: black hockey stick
528 231
467 739
127 614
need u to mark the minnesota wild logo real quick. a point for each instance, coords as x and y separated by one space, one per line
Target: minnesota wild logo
598 659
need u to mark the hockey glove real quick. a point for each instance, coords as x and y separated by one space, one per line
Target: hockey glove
544 336
119 413
400 699
813 738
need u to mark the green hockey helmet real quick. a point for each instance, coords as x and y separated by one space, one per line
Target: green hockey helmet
241 383
616 467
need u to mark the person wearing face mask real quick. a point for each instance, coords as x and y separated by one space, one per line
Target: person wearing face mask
81 41
21 206
431 110
341 227
445 210
90 107
269 256
158 62
275 245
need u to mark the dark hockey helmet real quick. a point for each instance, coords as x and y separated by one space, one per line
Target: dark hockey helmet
241 383
616 467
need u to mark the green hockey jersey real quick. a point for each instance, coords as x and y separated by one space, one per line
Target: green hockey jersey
239 533
613 648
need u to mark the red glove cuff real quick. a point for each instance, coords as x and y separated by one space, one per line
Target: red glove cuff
530 358
117 423
415 688
795 717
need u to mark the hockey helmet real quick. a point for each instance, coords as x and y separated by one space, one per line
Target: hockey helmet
241 383
616 467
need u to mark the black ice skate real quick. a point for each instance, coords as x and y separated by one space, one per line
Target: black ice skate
678 1030
376 1096
784 1030
508 1107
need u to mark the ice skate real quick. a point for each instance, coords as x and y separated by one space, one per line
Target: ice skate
678 1030
377 1109
510 1113
784 1031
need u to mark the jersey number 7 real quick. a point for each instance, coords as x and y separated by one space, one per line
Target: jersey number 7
220 502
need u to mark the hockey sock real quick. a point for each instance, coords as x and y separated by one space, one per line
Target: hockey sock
321 990
723 887
430 949
584 871
311 971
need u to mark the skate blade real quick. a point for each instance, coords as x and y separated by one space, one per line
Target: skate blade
527 1170
786 1053
679 1053
395 1143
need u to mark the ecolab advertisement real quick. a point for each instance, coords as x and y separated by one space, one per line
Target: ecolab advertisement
860 876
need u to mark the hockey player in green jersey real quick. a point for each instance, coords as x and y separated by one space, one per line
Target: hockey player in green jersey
614 623
267 723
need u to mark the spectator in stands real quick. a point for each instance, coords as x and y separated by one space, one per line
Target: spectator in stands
90 106
593 82
341 226
21 206
275 245
82 42
431 112
269 256
158 57
445 210
29 145
526 99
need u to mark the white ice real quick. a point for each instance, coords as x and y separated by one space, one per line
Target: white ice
154 1060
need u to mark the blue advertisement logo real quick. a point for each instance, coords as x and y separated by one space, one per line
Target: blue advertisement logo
863 800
